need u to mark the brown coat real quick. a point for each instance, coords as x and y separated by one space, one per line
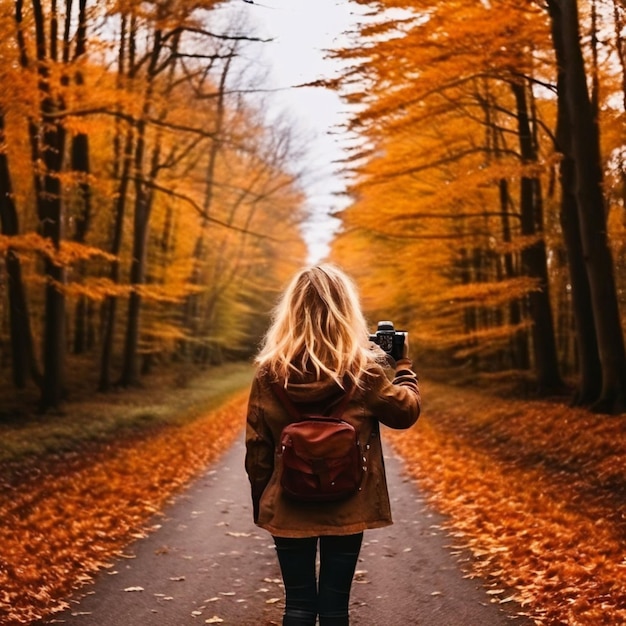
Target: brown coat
394 403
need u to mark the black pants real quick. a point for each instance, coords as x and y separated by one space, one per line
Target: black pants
305 597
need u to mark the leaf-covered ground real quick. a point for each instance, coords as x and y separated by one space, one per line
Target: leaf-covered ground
537 492
62 523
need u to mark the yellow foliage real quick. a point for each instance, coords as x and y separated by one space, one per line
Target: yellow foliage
95 289
434 233
68 253
488 293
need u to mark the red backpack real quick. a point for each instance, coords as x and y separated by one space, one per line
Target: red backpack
320 455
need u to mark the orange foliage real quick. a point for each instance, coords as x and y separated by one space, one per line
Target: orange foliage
62 525
536 492
68 253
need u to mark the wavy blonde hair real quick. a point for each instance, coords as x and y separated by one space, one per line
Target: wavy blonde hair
318 327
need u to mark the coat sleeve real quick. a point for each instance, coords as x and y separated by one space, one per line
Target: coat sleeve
397 403
259 460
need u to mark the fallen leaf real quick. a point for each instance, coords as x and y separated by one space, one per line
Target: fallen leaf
89 510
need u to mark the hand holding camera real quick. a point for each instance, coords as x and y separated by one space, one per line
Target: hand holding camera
395 343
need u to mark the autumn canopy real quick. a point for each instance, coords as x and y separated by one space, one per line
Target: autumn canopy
488 187
150 212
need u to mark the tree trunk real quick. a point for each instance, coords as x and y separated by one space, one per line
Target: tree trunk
143 206
82 221
591 209
110 303
50 211
123 155
144 199
80 165
534 256
192 305
590 371
519 344
518 352
24 364
47 137
130 368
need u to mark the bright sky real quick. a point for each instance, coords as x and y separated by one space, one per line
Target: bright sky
301 30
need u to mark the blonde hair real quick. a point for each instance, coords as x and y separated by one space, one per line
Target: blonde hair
318 327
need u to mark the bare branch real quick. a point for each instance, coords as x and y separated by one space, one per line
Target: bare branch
224 37
407 171
203 213
415 236
423 215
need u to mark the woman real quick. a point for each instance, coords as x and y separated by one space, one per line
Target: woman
318 348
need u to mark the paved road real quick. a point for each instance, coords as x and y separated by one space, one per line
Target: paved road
207 562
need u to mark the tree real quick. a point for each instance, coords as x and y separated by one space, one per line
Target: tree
80 165
47 138
534 255
590 383
592 211
22 349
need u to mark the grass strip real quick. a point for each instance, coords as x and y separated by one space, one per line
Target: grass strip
97 418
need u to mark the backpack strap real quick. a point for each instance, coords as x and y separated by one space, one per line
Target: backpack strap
287 402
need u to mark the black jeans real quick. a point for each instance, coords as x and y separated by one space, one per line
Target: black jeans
305 597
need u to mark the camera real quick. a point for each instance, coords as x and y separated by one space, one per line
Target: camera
390 341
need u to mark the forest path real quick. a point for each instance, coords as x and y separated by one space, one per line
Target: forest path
208 563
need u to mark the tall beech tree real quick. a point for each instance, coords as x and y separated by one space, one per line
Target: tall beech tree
144 173
534 256
219 135
24 363
47 139
592 210
80 165
123 142
590 369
